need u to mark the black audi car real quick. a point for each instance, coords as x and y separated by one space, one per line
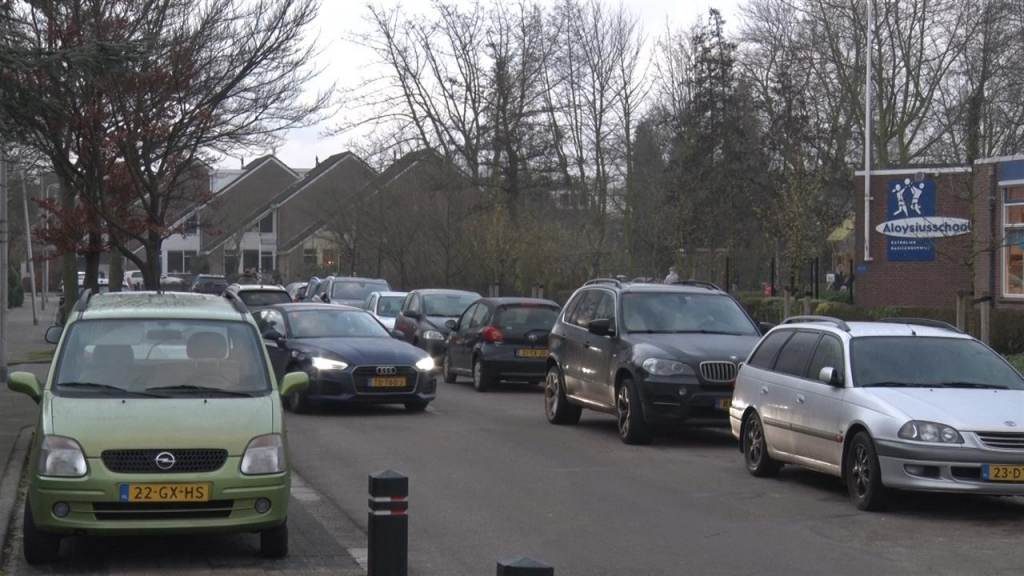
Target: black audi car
423 320
349 356
500 339
647 353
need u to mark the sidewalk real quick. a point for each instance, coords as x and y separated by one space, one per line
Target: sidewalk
28 351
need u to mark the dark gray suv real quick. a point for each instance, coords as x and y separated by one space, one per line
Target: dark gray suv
647 353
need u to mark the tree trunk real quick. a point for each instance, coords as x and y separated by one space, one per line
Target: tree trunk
151 272
116 274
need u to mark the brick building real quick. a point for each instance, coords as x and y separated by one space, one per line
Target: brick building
936 231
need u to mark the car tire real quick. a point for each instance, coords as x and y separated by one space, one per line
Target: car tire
38 547
557 407
863 475
483 379
299 403
274 541
416 406
755 449
633 428
446 371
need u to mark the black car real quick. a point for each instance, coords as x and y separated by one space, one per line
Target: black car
209 284
258 296
647 353
350 290
349 356
424 316
500 339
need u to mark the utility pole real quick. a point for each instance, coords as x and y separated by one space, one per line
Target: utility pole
28 248
867 135
3 261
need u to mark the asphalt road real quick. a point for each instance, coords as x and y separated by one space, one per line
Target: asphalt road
490 478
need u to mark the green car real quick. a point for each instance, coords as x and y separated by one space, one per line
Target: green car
161 415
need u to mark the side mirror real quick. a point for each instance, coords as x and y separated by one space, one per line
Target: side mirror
452 325
397 334
293 382
601 327
830 376
25 383
765 326
53 334
272 334
412 314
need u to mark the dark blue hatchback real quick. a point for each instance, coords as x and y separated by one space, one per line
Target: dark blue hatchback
500 339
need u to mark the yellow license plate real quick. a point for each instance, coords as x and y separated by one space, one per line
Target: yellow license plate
199 492
532 352
387 382
724 404
1002 473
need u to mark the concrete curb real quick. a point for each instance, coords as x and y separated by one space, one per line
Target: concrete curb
10 484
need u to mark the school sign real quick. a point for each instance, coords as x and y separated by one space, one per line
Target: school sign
913 226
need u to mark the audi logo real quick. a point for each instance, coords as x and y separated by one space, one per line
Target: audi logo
386 371
165 460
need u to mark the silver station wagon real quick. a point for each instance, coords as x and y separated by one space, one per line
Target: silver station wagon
905 404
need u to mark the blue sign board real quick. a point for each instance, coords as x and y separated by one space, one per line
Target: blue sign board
910 199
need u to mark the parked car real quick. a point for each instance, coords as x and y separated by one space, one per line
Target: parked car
209 284
903 403
135 280
385 306
351 290
424 313
176 282
499 339
349 356
296 290
197 443
257 296
647 353
314 289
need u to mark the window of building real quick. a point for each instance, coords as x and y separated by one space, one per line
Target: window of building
266 261
267 224
309 257
1013 240
179 261
250 259
230 261
192 224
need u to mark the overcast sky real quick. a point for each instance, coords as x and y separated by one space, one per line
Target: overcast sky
346 64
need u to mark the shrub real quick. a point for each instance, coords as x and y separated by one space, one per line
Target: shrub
1008 331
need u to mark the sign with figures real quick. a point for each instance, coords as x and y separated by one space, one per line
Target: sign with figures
913 226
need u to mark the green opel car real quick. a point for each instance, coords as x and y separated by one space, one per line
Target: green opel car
160 415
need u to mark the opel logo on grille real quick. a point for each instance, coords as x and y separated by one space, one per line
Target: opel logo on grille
164 460
1010 423
532 337
386 371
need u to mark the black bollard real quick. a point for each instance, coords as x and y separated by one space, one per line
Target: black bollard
388 547
523 566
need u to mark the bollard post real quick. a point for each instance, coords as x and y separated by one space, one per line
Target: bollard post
388 525
523 566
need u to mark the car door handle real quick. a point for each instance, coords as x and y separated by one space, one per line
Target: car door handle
764 389
800 399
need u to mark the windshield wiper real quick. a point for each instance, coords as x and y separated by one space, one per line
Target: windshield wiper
707 332
895 385
194 388
981 385
106 388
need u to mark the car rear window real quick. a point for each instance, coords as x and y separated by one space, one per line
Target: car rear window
355 289
390 306
447 305
117 357
526 317
257 298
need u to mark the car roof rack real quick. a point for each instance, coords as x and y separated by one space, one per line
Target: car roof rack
698 284
237 302
83 302
821 319
615 281
929 322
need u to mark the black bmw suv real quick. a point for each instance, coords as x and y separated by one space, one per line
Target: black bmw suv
647 353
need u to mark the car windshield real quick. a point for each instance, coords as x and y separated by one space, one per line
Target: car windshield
355 289
683 312
390 306
335 324
448 305
905 361
525 318
259 298
161 358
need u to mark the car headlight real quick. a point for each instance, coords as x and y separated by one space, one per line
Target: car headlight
425 364
433 335
321 363
930 432
663 367
264 455
60 456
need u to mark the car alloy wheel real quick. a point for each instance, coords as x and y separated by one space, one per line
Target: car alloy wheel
755 442
861 471
481 380
622 408
863 475
551 395
755 448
